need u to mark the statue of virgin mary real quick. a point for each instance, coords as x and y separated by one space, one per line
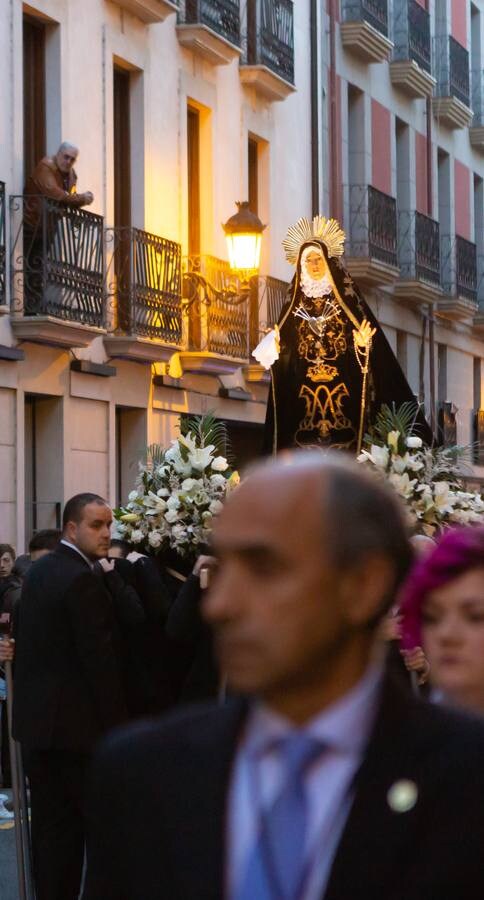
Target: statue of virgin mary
331 364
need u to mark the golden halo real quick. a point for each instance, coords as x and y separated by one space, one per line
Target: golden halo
326 230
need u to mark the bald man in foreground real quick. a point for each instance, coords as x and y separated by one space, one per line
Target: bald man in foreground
323 780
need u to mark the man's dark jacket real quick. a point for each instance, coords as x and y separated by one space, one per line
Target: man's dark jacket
159 799
67 689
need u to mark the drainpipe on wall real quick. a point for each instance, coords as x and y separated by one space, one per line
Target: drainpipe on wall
333 130
430 307
314 38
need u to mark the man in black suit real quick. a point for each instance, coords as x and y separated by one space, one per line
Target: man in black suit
67 689
328 781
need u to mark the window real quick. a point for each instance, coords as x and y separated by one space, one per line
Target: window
193 172
253 175
122 147
442 373
33 93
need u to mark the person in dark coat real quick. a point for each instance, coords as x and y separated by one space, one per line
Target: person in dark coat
187 629
68 690
10 588
325 779
332 367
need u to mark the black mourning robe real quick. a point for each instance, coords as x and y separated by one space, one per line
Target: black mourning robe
318 395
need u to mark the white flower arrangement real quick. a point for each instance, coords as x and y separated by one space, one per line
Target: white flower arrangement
178 492
429 480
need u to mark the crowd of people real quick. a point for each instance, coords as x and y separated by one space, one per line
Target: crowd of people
342 753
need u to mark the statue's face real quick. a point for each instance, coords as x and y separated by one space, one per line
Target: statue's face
316 265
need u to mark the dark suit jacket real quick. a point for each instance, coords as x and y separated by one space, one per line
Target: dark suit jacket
185 627
157 818
67 689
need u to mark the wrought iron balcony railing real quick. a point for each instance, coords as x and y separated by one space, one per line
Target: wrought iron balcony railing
270 36
452 69
216 325
275 297
221 16
466 268
419 248
427 249
477 83
57 260
3 295
373 225
411 33
144 284
375 12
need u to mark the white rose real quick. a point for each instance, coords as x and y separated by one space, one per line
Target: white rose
414 443
216 507
136 536
190 483
217 481
171 516
155 539
219 464
163 492
178 532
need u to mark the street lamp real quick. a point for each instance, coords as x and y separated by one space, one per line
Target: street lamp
243 232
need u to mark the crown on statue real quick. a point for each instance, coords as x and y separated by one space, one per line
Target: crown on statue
326 230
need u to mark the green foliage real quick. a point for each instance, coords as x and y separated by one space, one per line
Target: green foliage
207 429
393 419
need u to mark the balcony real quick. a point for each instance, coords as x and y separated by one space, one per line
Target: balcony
268 63
210 28
218 330
3 293
411 67
459 278
144 296
364 29
476 131
57 272
371 250
149 11
419 259
451 103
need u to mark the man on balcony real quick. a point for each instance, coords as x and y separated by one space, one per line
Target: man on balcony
55 179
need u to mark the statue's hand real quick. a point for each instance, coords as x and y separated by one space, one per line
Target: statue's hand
364 334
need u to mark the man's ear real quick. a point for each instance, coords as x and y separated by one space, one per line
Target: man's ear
364 589
70 531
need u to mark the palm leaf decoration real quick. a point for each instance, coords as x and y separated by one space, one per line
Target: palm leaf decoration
207 429
393 419
154 456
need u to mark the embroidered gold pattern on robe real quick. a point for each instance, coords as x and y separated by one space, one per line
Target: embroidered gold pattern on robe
322 338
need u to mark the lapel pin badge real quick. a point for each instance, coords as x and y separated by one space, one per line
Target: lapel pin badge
402 796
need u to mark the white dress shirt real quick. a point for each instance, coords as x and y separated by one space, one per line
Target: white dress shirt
258 774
